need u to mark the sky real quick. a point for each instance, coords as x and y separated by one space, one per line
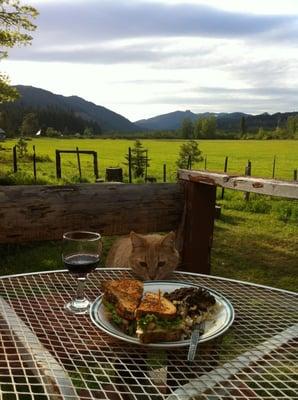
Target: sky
145 58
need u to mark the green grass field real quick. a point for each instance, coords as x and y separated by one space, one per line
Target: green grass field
112 153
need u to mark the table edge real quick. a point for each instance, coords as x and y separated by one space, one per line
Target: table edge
179 272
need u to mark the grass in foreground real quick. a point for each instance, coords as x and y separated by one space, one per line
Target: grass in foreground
254 247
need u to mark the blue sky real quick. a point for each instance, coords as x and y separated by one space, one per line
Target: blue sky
144 58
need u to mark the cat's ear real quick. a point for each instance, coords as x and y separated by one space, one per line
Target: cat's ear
137 240
169 240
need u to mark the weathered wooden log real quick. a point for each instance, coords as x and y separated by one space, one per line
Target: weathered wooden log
270 187
29 213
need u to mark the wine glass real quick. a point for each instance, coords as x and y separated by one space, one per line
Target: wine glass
81 254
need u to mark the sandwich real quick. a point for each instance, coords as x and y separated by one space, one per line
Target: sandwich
121 298
157 320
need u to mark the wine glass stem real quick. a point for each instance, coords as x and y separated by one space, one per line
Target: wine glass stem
81 288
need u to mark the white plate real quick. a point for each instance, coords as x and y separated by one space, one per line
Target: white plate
223 319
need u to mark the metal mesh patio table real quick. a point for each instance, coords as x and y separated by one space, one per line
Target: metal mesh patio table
46 353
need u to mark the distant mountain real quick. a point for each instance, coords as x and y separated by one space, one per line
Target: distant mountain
170 121
108 120
228 122
173 120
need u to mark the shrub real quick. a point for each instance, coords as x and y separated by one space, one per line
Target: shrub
259 206
286 210
21 178
22 147
76 179
39 158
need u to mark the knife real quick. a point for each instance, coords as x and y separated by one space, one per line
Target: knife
197 331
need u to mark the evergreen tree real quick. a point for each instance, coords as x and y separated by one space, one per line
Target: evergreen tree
189 153
242 125
139 159
292 126
30 125
205 127
187 128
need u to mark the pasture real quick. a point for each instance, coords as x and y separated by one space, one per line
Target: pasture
111 153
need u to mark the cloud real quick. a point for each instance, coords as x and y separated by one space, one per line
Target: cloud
225 99
151 82
96 55
255 91
97 23
104 19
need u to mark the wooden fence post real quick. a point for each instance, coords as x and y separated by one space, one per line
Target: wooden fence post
295 175
15 159
129 165
58 164
95 164
205 163
34 162
165 172
189 162
79 163
146 165
273 167
225 170
195 233
247 173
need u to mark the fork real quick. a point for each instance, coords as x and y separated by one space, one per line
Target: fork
197 331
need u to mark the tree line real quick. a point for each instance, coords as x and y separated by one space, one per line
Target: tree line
17 120
206 128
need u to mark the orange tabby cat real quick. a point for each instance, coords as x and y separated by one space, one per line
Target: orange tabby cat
149 256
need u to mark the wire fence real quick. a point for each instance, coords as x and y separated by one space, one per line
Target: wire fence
164 173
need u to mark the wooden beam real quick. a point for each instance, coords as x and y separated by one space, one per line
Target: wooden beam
29 213
270 187
75 151
195 233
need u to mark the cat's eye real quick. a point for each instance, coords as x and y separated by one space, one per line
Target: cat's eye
143 264
161 263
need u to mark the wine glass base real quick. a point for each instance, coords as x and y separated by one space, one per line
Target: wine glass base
81 306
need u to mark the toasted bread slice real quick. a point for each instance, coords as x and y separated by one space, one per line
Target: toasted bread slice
126 294
156 304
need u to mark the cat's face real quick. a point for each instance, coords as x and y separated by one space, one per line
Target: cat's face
153 256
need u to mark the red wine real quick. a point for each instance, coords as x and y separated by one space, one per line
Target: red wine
81 263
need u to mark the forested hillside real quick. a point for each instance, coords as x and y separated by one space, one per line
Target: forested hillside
57 115
69 115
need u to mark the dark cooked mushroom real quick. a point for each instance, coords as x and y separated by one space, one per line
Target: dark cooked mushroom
194 299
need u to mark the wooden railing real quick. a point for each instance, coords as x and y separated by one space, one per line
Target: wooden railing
270 187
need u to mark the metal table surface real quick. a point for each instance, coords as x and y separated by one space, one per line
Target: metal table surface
46 353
